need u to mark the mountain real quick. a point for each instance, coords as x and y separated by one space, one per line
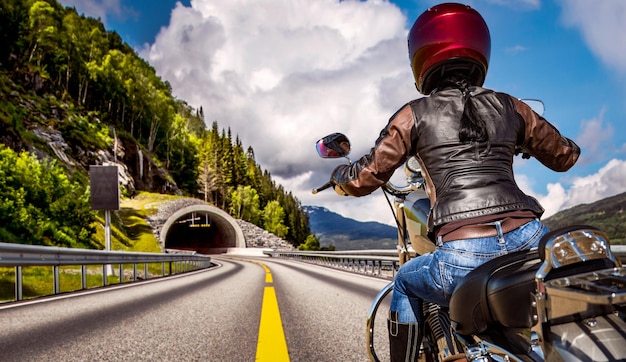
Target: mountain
348 234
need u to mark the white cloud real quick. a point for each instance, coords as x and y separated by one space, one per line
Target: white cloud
555 199
602 26
608 181
595 140
516 49
326 66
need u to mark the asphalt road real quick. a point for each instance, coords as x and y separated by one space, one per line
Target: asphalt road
211 315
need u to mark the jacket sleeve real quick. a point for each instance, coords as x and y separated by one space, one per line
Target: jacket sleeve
544 142
391 150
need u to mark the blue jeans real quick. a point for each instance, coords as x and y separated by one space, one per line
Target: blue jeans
432 277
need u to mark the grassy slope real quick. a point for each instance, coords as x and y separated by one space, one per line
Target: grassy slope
130 230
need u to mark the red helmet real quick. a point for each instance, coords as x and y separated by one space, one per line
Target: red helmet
448 37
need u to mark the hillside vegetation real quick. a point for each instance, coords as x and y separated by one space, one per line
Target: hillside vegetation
73 94
606 214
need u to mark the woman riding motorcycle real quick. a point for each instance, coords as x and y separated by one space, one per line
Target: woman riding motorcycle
464 137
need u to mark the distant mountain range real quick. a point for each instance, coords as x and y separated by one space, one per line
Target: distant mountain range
348 234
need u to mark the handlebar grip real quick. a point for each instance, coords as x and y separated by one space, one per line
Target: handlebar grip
322 188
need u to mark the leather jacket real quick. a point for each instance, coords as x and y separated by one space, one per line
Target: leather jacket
463 180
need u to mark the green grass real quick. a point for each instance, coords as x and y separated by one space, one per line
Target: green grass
129 232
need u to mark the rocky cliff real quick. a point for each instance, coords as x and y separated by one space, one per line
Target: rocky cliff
51 129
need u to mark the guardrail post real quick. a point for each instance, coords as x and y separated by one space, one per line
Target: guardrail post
18 283
145 271
105 279
83 276
134 271
55 279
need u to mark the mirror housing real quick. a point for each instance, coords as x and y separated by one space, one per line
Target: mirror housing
335 145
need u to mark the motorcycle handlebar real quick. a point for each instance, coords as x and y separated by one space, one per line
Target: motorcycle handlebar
322 188
389 187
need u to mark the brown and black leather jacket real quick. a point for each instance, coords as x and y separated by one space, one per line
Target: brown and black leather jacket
464 180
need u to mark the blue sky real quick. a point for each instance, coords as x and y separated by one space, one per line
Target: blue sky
282 73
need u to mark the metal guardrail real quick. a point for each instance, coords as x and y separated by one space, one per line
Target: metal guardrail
383 263
19 256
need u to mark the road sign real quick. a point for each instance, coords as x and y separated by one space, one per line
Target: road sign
105 189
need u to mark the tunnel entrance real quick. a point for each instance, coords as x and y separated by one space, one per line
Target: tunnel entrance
202 228
196 231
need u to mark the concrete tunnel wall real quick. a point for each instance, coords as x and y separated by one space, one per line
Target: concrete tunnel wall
227 226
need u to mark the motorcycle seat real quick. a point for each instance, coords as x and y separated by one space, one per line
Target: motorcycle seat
499 292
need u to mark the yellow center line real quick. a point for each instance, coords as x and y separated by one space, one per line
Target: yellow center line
271 345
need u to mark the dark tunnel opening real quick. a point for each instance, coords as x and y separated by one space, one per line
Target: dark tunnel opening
202 232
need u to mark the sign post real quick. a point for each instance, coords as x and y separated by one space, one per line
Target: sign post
105 195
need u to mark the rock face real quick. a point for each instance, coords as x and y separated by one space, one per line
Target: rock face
145 174
256 237
46 122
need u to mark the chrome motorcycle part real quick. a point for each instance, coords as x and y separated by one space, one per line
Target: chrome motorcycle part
578 341
371 319
574 245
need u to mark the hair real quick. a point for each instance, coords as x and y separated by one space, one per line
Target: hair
473 128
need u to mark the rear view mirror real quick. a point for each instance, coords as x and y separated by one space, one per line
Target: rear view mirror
334 145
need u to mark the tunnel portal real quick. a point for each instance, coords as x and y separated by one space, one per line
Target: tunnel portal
202 228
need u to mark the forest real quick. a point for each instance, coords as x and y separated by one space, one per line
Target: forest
91 86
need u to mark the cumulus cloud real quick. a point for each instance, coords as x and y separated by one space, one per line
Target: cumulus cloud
608 181
602 26
326 66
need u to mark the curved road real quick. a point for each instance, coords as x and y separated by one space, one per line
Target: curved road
210 315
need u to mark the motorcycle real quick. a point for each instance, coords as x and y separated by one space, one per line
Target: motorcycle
564 301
